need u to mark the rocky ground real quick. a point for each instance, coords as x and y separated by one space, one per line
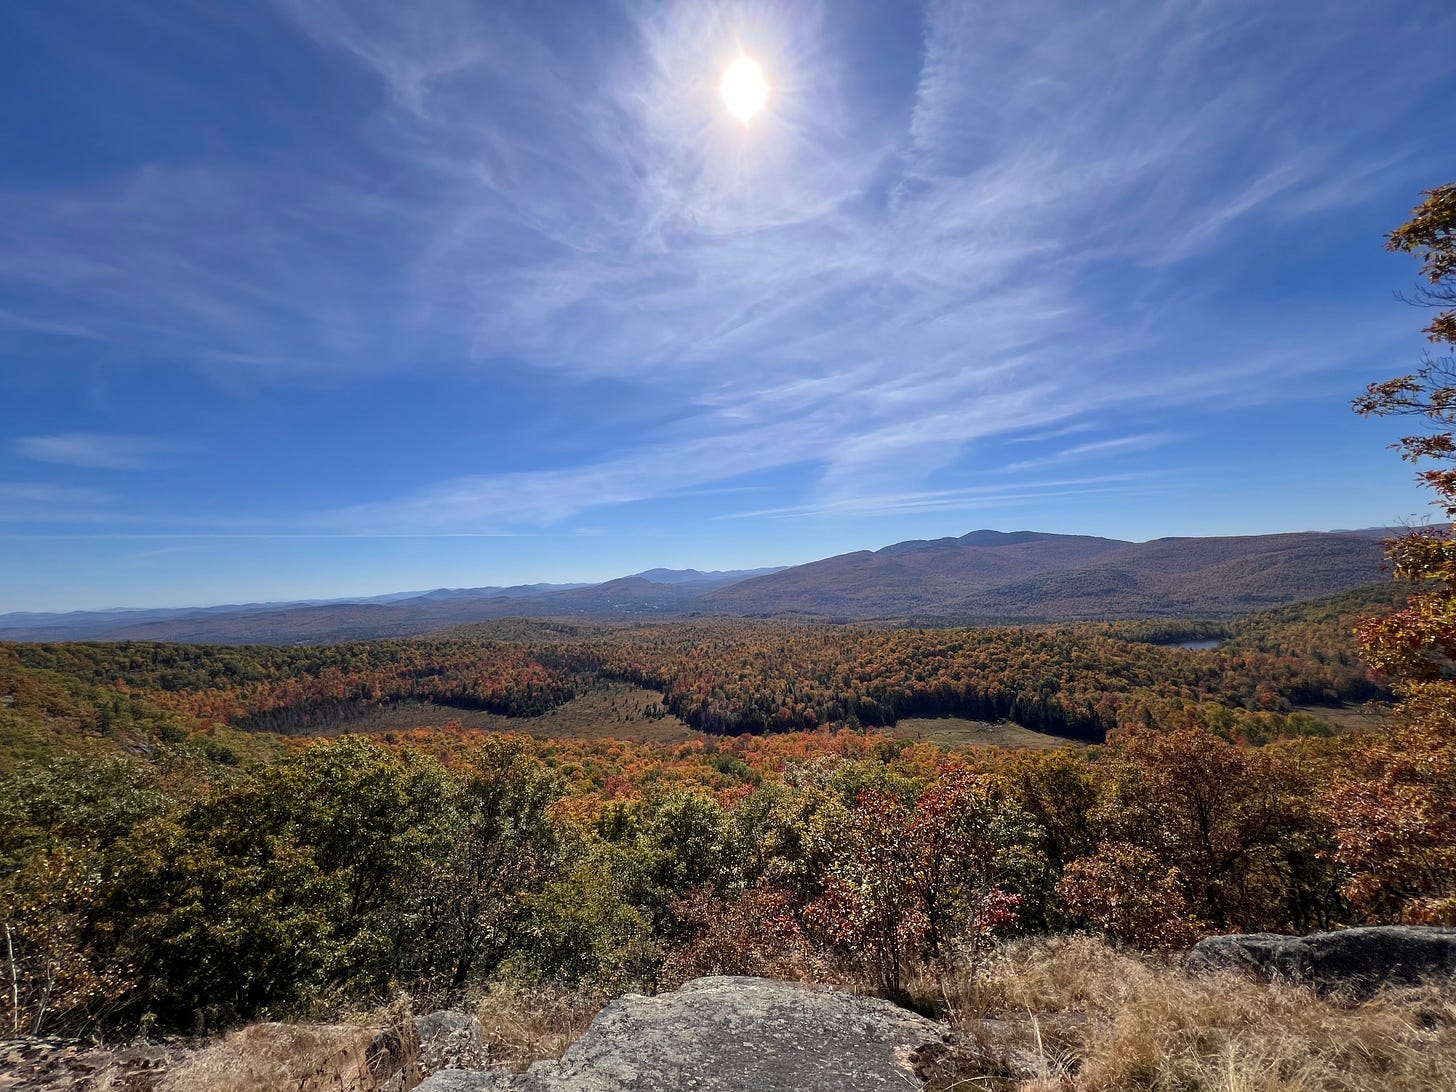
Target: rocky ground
1067 1014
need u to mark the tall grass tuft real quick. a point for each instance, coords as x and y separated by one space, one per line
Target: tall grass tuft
1074 1014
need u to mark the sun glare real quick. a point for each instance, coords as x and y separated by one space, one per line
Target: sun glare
744 89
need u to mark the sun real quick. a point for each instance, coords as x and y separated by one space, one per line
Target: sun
744 89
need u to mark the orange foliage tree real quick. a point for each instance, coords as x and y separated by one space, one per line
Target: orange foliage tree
924 877
1397 807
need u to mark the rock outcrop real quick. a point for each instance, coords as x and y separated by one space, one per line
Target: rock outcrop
728 1035
451 1040
1356 962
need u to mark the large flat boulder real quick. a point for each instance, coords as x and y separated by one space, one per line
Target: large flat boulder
1352 961
728 1034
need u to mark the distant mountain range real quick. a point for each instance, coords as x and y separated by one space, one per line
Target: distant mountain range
982 576
1026 575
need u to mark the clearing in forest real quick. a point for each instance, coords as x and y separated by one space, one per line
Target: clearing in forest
959 732
616 710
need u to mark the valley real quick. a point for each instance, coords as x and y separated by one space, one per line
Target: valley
662 681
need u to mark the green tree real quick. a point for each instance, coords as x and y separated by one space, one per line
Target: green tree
586 925
689 841
279 887
220 923
474 901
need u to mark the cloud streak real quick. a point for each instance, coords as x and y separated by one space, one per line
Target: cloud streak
971 499
1121 445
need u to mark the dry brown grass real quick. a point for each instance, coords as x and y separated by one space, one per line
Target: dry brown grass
1370 717
367 1056
1073 1014
525 1025
370 1051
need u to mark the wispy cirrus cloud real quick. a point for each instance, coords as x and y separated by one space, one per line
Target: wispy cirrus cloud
873 289
1015 237
94 450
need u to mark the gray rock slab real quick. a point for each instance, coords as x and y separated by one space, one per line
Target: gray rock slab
1353 961
728 1034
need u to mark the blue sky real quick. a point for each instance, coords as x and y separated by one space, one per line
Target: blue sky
314 298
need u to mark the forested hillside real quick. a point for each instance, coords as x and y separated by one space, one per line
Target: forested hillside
1033 576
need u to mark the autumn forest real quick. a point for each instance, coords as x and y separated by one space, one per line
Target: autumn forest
198 835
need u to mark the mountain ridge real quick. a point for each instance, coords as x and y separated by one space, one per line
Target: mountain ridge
1028 576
